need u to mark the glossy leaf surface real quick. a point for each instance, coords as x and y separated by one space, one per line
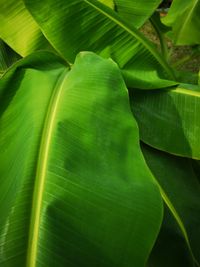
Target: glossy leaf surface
75 189
78 25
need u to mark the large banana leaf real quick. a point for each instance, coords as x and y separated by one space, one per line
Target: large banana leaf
18 29
77 25
75 189
183 17
169 120
179 182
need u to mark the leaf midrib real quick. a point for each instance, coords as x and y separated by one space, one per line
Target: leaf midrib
41 169
186 92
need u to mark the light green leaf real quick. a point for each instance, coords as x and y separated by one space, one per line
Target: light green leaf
169 120
18 29
183 17
90 25
178 181
75 189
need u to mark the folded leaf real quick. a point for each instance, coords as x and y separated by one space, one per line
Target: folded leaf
90 25
169 120
75 189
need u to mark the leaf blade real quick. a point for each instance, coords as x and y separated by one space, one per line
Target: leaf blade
90 202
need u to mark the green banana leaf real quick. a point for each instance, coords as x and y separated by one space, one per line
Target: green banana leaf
75 189
78 25
181 185
18 29
183 17
169 120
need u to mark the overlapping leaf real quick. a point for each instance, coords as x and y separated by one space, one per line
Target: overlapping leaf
77 25
75 189
169 120
181 186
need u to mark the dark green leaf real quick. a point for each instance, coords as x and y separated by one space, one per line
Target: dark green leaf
7 57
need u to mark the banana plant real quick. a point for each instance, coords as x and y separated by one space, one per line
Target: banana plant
99 150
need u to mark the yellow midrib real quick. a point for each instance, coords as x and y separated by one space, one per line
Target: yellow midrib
41 171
